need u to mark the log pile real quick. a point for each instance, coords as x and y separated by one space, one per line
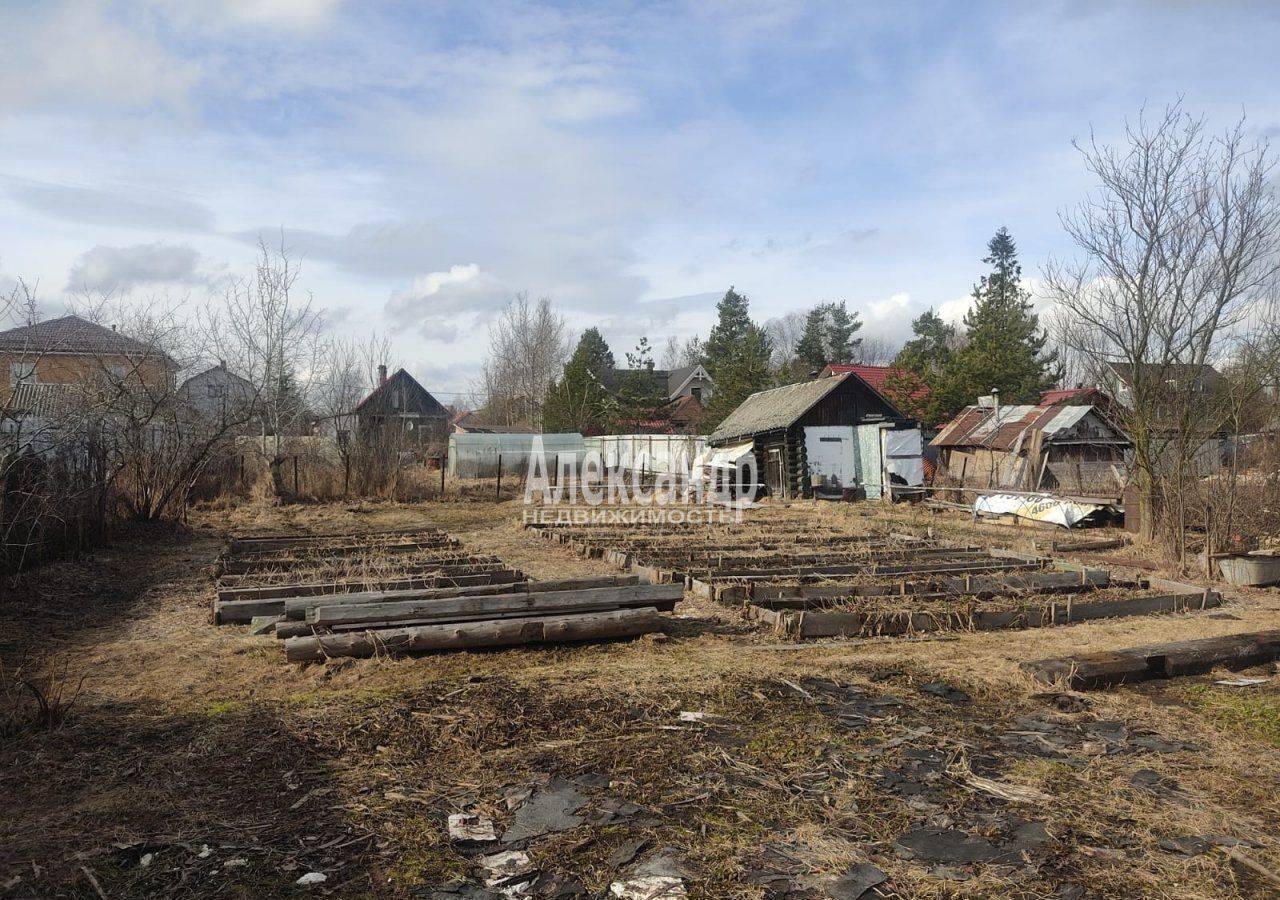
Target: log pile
398 592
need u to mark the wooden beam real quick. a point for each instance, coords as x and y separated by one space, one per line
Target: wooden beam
530 603
494 633
1237 651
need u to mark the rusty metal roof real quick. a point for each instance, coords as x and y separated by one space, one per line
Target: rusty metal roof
977 426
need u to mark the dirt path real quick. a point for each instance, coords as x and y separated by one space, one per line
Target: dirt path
196 762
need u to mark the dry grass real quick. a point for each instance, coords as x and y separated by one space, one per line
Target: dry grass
189 736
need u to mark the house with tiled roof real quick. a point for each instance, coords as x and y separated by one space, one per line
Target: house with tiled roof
876 377
61 356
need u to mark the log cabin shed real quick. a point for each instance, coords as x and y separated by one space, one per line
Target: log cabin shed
779 426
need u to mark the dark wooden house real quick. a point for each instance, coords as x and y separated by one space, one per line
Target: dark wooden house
779 422
399 409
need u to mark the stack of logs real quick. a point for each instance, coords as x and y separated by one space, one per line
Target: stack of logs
403 591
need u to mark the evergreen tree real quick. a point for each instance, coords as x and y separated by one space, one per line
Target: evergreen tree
917 383
580 401
1004 345
640 391
737 356
811 351
842 326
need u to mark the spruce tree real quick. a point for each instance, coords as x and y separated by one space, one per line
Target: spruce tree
1004 345
811 351
737 357
640 391
579 401
842 326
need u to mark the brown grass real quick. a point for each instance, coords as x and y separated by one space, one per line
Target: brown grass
187 736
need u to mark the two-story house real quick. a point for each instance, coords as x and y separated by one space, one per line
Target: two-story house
68 359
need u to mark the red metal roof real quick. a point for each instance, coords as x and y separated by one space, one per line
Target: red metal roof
875 376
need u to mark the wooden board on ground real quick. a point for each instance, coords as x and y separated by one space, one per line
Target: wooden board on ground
821 623
295 607
1090 670
532 602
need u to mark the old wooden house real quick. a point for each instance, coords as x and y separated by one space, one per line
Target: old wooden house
402 413
825 437
1074 450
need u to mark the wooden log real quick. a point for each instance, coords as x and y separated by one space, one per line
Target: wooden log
494 633
1237 651
525 603
1079 546
294 607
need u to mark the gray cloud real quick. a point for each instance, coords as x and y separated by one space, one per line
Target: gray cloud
119 269
393 249
132 208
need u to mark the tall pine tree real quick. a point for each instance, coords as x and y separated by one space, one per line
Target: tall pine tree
737 357
579 401
1004 346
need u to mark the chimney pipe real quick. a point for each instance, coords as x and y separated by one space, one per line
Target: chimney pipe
382 375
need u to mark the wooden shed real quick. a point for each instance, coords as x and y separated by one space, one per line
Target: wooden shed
777 423
1071 450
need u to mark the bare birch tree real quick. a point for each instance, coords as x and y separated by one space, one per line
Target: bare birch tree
528 345
270 333
1179 252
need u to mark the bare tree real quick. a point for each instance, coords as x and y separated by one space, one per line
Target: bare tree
1179 246
874 351
528 345
272 336
677 354
784 335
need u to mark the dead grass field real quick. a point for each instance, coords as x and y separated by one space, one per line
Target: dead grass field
196 762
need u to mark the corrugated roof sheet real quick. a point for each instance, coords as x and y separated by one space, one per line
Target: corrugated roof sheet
41 399
977 426
71 334
776 409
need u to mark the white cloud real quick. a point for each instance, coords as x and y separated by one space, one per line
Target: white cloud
429 285
894 308
77 52
120 269
439 302
300 15
953 311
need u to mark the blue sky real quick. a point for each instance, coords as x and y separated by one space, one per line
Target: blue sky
630 160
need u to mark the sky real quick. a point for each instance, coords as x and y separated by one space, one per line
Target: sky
631 161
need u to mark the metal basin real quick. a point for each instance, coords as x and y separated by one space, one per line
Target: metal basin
1249 570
